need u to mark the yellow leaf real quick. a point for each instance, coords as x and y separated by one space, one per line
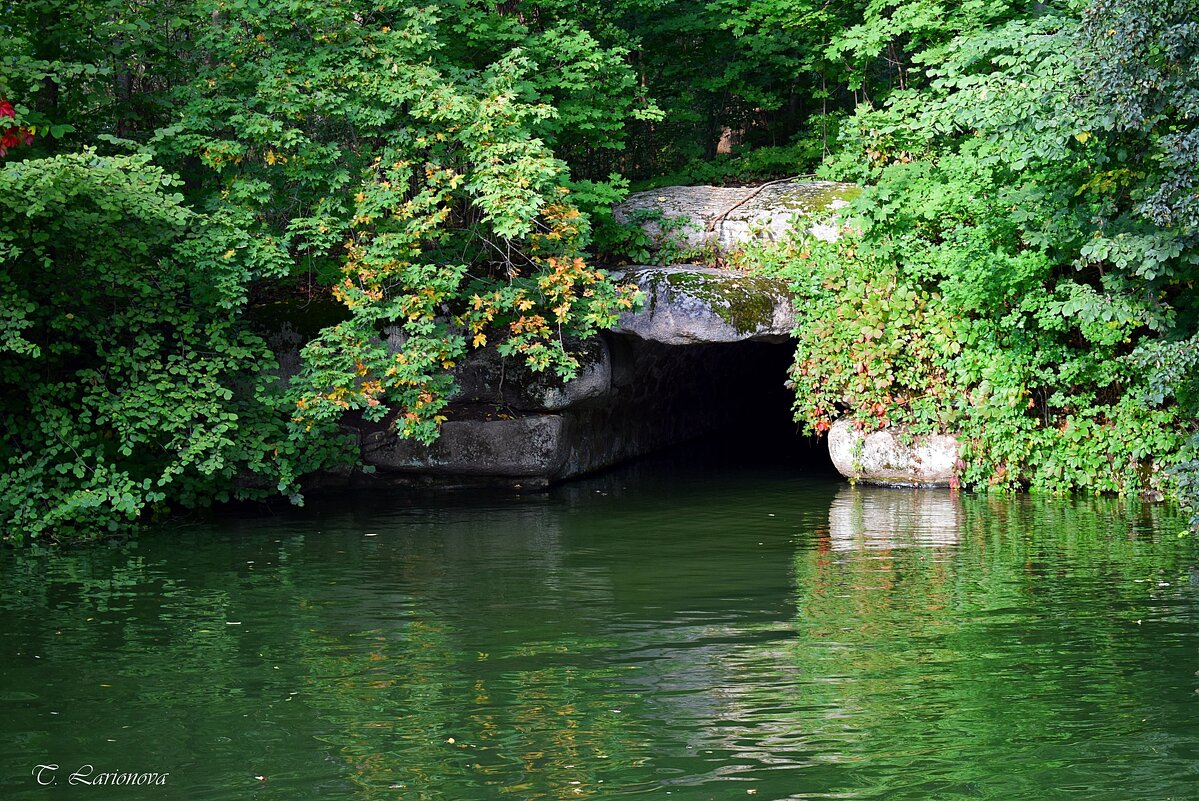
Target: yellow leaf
480 340
1082 136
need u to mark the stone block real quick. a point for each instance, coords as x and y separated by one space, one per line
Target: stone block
689 305
695 217
531 446
881 457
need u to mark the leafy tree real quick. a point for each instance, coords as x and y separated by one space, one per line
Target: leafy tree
1141 61
1047 230
126 379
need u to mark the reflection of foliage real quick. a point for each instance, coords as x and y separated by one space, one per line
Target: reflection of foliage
559 647
412 712
1022 630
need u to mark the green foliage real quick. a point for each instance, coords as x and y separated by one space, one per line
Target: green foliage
424 177
872 344
649 236
126 379
399 158
1021 268
1022 256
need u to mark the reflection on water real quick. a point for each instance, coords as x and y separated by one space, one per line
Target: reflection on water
883 517
685 629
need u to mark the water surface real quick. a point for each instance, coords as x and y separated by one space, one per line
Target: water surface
686 628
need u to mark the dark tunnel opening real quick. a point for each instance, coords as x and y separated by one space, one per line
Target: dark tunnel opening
726 401
733 397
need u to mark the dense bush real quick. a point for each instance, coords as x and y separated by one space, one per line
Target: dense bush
1021 269
126 377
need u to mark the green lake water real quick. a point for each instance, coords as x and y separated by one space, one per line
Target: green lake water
691 627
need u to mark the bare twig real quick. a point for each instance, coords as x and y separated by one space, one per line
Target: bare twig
719 218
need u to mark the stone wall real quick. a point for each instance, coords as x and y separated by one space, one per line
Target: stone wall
635 396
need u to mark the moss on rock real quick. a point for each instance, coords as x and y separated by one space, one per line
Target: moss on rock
688 304
811 198
747 303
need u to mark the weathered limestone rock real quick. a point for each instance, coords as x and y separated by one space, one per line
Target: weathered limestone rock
699 216
686 305
881 458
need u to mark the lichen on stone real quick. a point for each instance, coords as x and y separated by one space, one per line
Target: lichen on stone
747 303
811 198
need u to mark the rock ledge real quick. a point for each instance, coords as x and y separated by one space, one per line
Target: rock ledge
688 304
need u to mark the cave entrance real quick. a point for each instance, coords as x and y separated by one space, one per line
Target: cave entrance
632 397
729 396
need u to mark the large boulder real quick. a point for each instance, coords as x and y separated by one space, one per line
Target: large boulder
885 457
687 305
485 377
724 217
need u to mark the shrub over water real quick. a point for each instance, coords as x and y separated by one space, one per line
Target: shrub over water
1021 269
